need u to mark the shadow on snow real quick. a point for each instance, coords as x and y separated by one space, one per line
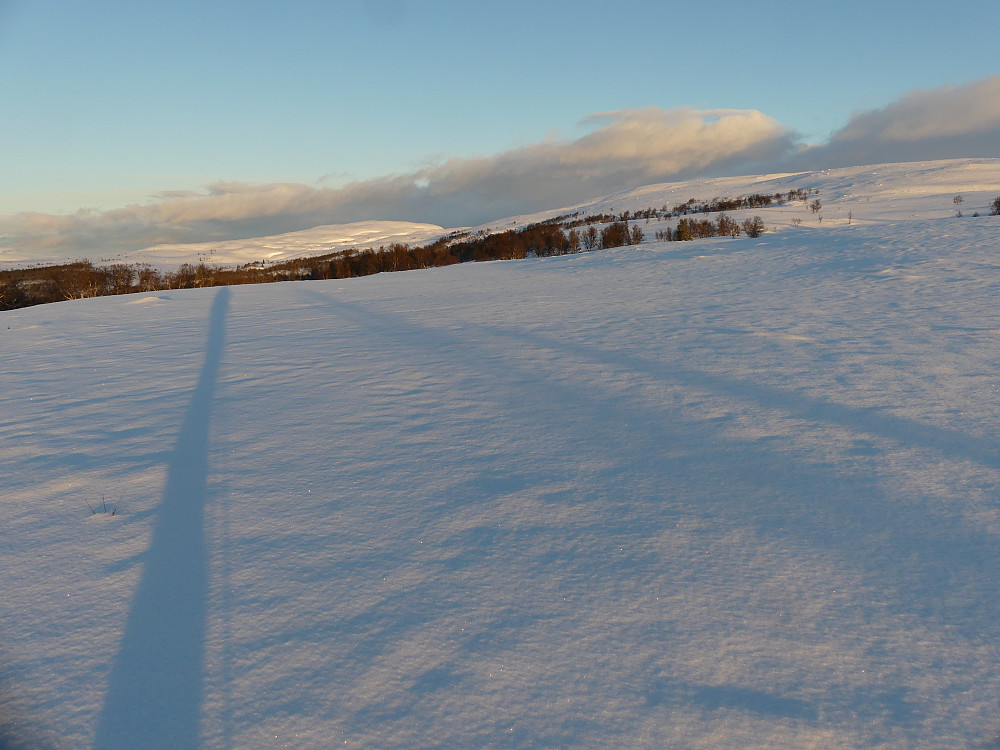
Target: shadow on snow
155 689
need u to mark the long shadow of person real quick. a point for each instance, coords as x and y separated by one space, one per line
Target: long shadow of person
155 690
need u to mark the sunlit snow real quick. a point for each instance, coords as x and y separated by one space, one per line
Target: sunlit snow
730 493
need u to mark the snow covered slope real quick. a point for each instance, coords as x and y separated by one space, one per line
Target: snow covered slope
302 244
305 243
723 493
865 195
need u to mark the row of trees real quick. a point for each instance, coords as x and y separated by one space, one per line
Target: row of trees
754 200
696 229
34 286
689 207
570 233
535 241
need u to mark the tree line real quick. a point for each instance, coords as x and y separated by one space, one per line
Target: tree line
561 235
723 226
24 287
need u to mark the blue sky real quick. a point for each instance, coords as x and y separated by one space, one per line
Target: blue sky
115 103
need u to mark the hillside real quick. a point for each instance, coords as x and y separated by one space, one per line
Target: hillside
301 244
722 493
866 194
873 193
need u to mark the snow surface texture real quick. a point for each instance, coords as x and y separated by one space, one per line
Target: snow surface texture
715 494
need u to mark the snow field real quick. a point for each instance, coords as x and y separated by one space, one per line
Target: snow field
728 493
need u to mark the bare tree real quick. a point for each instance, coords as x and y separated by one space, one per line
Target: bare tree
753 227
574 241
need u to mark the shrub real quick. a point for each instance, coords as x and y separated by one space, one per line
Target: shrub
615 234
754 227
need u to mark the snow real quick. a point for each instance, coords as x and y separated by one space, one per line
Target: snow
305 243
855 195
723 493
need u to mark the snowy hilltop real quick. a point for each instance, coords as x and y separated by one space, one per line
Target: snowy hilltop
732 492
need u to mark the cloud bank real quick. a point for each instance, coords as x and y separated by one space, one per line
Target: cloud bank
620 150
943 123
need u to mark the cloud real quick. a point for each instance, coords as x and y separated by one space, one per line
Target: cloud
617 151
941 123
628 148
